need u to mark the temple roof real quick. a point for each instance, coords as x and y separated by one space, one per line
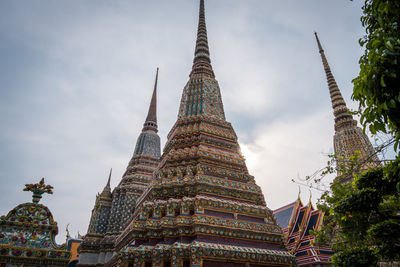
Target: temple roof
284 214
297 221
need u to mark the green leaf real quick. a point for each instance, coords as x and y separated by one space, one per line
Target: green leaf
389 44
392 103
383 84
384 106
372 129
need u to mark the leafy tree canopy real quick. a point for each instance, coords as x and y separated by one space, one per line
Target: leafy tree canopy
377 88
363 221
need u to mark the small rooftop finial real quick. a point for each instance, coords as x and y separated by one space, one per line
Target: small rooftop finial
38 190
67 232
151 120
298 196
80 236
202 61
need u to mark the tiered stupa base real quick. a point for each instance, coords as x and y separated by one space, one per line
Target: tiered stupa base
206 254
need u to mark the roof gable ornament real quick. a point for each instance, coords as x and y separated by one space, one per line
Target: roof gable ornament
38 190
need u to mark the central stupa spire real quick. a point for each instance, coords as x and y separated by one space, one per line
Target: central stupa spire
203 208
201 95
202 61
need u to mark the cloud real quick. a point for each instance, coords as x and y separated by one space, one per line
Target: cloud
286 150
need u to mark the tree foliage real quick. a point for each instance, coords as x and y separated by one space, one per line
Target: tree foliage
363 221
377 88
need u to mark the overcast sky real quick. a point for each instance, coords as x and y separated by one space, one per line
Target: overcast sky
76 79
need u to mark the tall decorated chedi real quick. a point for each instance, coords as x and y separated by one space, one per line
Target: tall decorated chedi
348 137
112 209
203 208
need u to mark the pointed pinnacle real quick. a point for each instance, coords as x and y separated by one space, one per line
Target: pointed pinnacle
151 120
319 44
340 110
202 61
107 189
109 178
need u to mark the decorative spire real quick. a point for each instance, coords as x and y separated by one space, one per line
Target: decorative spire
38 190
202 61
201 95
148 142
151 120
348 138
342 117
